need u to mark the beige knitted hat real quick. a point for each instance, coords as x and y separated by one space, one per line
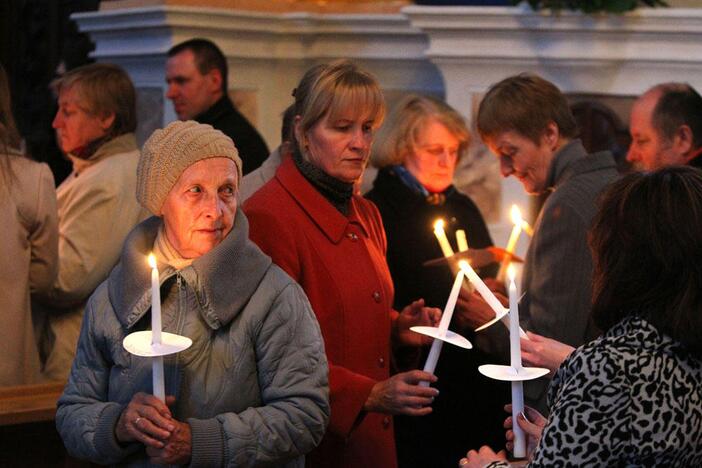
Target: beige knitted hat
169 151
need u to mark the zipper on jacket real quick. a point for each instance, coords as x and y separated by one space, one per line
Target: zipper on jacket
176 376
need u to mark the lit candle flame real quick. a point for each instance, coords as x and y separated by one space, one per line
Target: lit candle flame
511 274
439 225
152 260
516 215
463 264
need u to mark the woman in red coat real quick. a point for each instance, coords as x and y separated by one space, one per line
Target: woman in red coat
332 242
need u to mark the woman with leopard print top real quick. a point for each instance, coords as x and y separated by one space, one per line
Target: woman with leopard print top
632 397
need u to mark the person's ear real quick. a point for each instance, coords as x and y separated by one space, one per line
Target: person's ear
551 136
683 142
299 134
214 78
106 121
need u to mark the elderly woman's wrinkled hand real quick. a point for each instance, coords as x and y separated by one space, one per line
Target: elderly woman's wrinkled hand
146 419
539 351
479 459
402 394
415 314
177 449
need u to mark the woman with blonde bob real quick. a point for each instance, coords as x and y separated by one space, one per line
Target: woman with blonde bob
417 151
332 242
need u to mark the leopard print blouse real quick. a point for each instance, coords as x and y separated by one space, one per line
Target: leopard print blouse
633 397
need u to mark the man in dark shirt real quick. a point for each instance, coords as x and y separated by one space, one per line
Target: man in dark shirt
196 73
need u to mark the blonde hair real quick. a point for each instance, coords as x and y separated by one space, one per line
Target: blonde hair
398 137
331 89
103 89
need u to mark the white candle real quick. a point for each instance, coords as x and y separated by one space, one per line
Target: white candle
461 240
155 302
156 362
481 287
516 363
158 380
516 216
441 237
435 350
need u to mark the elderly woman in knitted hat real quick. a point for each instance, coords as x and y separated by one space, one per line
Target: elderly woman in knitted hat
252 389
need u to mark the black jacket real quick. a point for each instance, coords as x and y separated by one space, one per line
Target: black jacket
224 116
468 412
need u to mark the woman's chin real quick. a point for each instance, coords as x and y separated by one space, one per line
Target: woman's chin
350 177
436 188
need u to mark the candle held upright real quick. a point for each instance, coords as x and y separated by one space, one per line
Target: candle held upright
442 239
155 302
155 344
516 363
514 373
461 240
158 378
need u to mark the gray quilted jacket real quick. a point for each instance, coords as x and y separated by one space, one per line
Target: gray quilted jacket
253 386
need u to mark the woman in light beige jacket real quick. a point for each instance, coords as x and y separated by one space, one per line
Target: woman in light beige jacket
95 126
29 248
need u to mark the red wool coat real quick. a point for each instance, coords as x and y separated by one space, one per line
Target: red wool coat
340 263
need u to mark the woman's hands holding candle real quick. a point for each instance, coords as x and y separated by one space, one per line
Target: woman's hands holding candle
415 314
539 351
402 394
146 419
532 428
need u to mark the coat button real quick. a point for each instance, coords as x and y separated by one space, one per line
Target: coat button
386 422
352 236
381 362
376 296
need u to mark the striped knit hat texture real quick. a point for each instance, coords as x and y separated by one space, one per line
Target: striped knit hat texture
170 151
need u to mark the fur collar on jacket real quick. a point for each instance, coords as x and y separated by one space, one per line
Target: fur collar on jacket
224 279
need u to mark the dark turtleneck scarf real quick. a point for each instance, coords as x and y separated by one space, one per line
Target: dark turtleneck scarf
336 191
89 149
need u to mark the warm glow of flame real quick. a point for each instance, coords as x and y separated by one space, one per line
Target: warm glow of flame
463 264
439 225
511 274
152 260
516 215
